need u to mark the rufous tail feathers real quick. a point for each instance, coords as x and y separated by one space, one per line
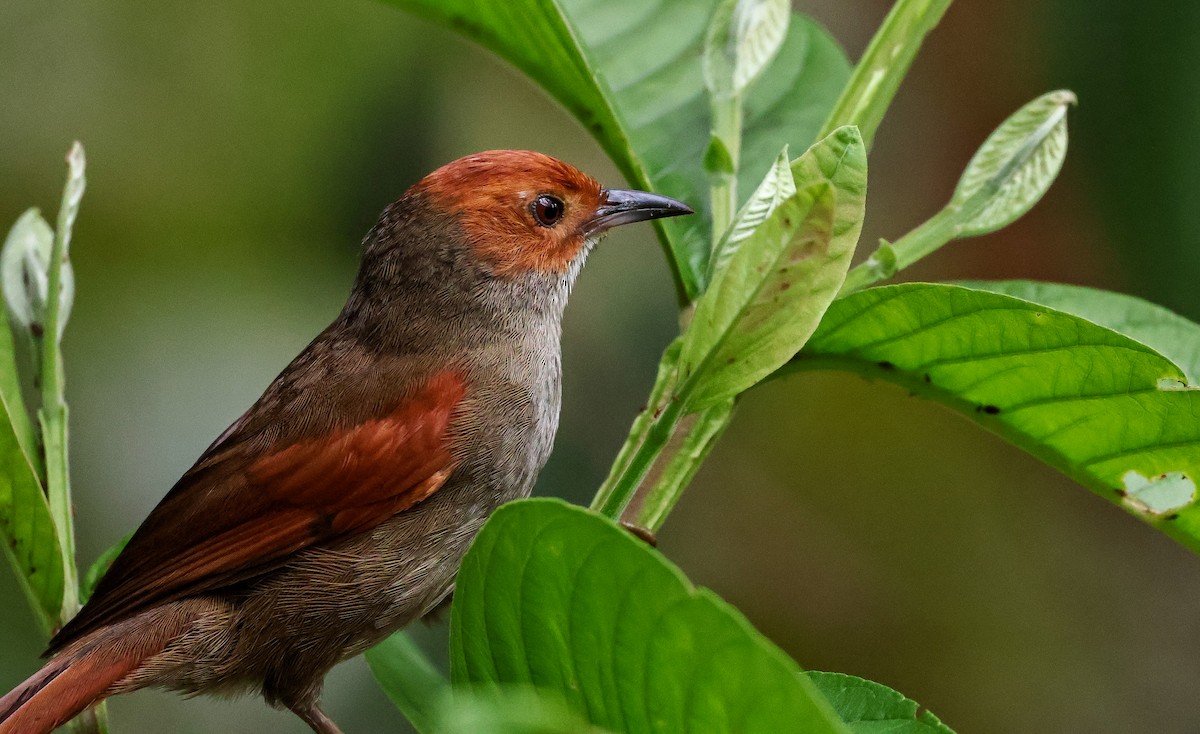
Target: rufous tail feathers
81 675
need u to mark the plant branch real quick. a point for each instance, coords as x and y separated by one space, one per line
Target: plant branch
883 66
726 133
53 412
679 462
657 436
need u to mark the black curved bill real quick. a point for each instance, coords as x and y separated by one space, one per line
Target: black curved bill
625 207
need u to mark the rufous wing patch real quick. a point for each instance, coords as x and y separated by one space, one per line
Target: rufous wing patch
240 521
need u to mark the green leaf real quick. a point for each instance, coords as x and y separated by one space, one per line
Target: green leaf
68 212
742 39
777 283
630 71
556 597
28 240
510 711
52 414
717 158
1007 176
411 682
24 279
26 527
100 567
1104 409
1014 167
776 187
23 264
839 159
1164 331
873 708
760 308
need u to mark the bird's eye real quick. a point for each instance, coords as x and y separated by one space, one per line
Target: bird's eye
547 210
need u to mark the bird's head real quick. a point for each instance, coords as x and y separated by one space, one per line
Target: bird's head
487 243
523 212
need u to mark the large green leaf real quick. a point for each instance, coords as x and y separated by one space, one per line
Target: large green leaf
557 597
510 711
630 71
873 708
29 539
1103 408
1163 330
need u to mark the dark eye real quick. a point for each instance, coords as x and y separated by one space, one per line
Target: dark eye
547 210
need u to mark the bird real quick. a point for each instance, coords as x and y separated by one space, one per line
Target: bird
337 509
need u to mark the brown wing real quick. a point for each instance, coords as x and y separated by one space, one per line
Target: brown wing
239 513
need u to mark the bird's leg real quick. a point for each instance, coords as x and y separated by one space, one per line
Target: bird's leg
312 715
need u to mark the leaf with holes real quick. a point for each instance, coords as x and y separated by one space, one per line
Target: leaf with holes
1105 409
556 597
630 71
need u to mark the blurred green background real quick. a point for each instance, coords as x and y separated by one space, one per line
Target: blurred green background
238 152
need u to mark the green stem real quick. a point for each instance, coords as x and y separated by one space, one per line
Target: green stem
664 383
883 66
864 102
657 436
893 257
727 129
53 418
53 412
926 239
682 461
92 721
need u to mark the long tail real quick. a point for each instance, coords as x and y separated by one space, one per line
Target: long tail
80 676
60 690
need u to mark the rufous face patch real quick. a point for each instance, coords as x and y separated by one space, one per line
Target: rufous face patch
520 210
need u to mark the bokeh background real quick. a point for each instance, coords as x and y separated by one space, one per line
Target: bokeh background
238 152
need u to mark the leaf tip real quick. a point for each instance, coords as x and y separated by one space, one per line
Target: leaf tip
1064 97
75 155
